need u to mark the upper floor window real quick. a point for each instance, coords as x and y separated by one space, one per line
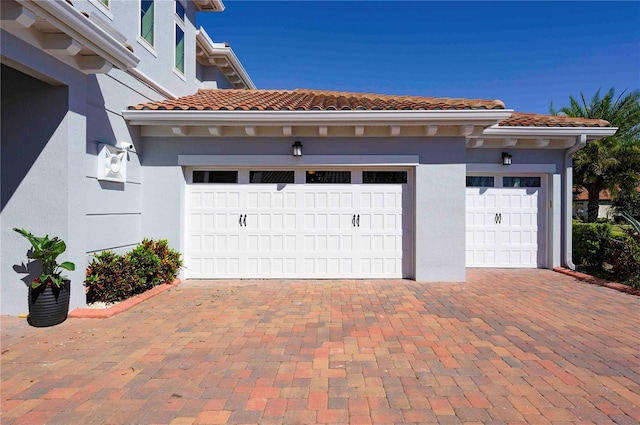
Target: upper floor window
180 10
105 2
179 61
147 20
179 46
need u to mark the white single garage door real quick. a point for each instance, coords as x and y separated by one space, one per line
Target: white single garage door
296 230
504 225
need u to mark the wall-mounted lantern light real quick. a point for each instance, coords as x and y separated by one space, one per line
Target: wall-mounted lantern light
297 149
506 158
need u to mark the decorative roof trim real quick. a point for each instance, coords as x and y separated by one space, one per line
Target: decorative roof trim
73 23
209 5
592 133
480 117
235 72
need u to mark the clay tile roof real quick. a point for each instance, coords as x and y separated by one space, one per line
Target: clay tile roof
518 119
310 100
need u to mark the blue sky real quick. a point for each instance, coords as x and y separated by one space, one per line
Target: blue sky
524 53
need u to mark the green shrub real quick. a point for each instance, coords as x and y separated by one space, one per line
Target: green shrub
170 260
146 265
590 242
624 257
111 277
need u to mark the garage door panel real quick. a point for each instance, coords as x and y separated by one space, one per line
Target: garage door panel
304 231
502 227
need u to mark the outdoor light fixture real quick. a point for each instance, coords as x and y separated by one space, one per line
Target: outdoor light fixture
297 149
506 158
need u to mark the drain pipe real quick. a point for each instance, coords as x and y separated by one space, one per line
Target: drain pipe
580 143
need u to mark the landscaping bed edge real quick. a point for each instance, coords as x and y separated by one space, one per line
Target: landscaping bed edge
597 281
104 313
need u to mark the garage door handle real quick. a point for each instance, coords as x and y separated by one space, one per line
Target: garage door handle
358 220
498 218
244 221
353 221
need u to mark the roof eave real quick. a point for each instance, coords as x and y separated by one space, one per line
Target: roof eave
213 50
209 5
484 117
73 23
592 133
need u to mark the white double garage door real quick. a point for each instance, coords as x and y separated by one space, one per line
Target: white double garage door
304 230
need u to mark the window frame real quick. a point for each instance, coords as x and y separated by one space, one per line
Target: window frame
149 45
176 68
179 26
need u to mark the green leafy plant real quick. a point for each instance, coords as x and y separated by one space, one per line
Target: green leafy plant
146 264
170 260
590 241
624 257
47 251
112 277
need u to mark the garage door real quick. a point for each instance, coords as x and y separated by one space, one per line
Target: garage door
503 224
296 230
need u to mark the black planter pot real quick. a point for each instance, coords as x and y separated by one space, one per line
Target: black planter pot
49 305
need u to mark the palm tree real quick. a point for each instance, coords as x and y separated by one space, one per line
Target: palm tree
613 162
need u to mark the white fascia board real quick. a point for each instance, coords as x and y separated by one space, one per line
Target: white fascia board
592 133
289 160
70 21
481 117
219 49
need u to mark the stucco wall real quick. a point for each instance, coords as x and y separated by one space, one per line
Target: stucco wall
157 62
113 210
50 138
43 132
439 194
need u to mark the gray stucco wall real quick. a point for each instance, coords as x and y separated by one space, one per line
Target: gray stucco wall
520 156
157 62
439 194
51 133
43 132
113 210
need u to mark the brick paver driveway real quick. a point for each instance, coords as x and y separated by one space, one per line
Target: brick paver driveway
505 347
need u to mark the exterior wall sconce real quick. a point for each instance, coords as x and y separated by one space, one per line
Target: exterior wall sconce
506 158
297 149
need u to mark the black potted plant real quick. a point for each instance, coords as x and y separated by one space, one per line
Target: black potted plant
49 293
